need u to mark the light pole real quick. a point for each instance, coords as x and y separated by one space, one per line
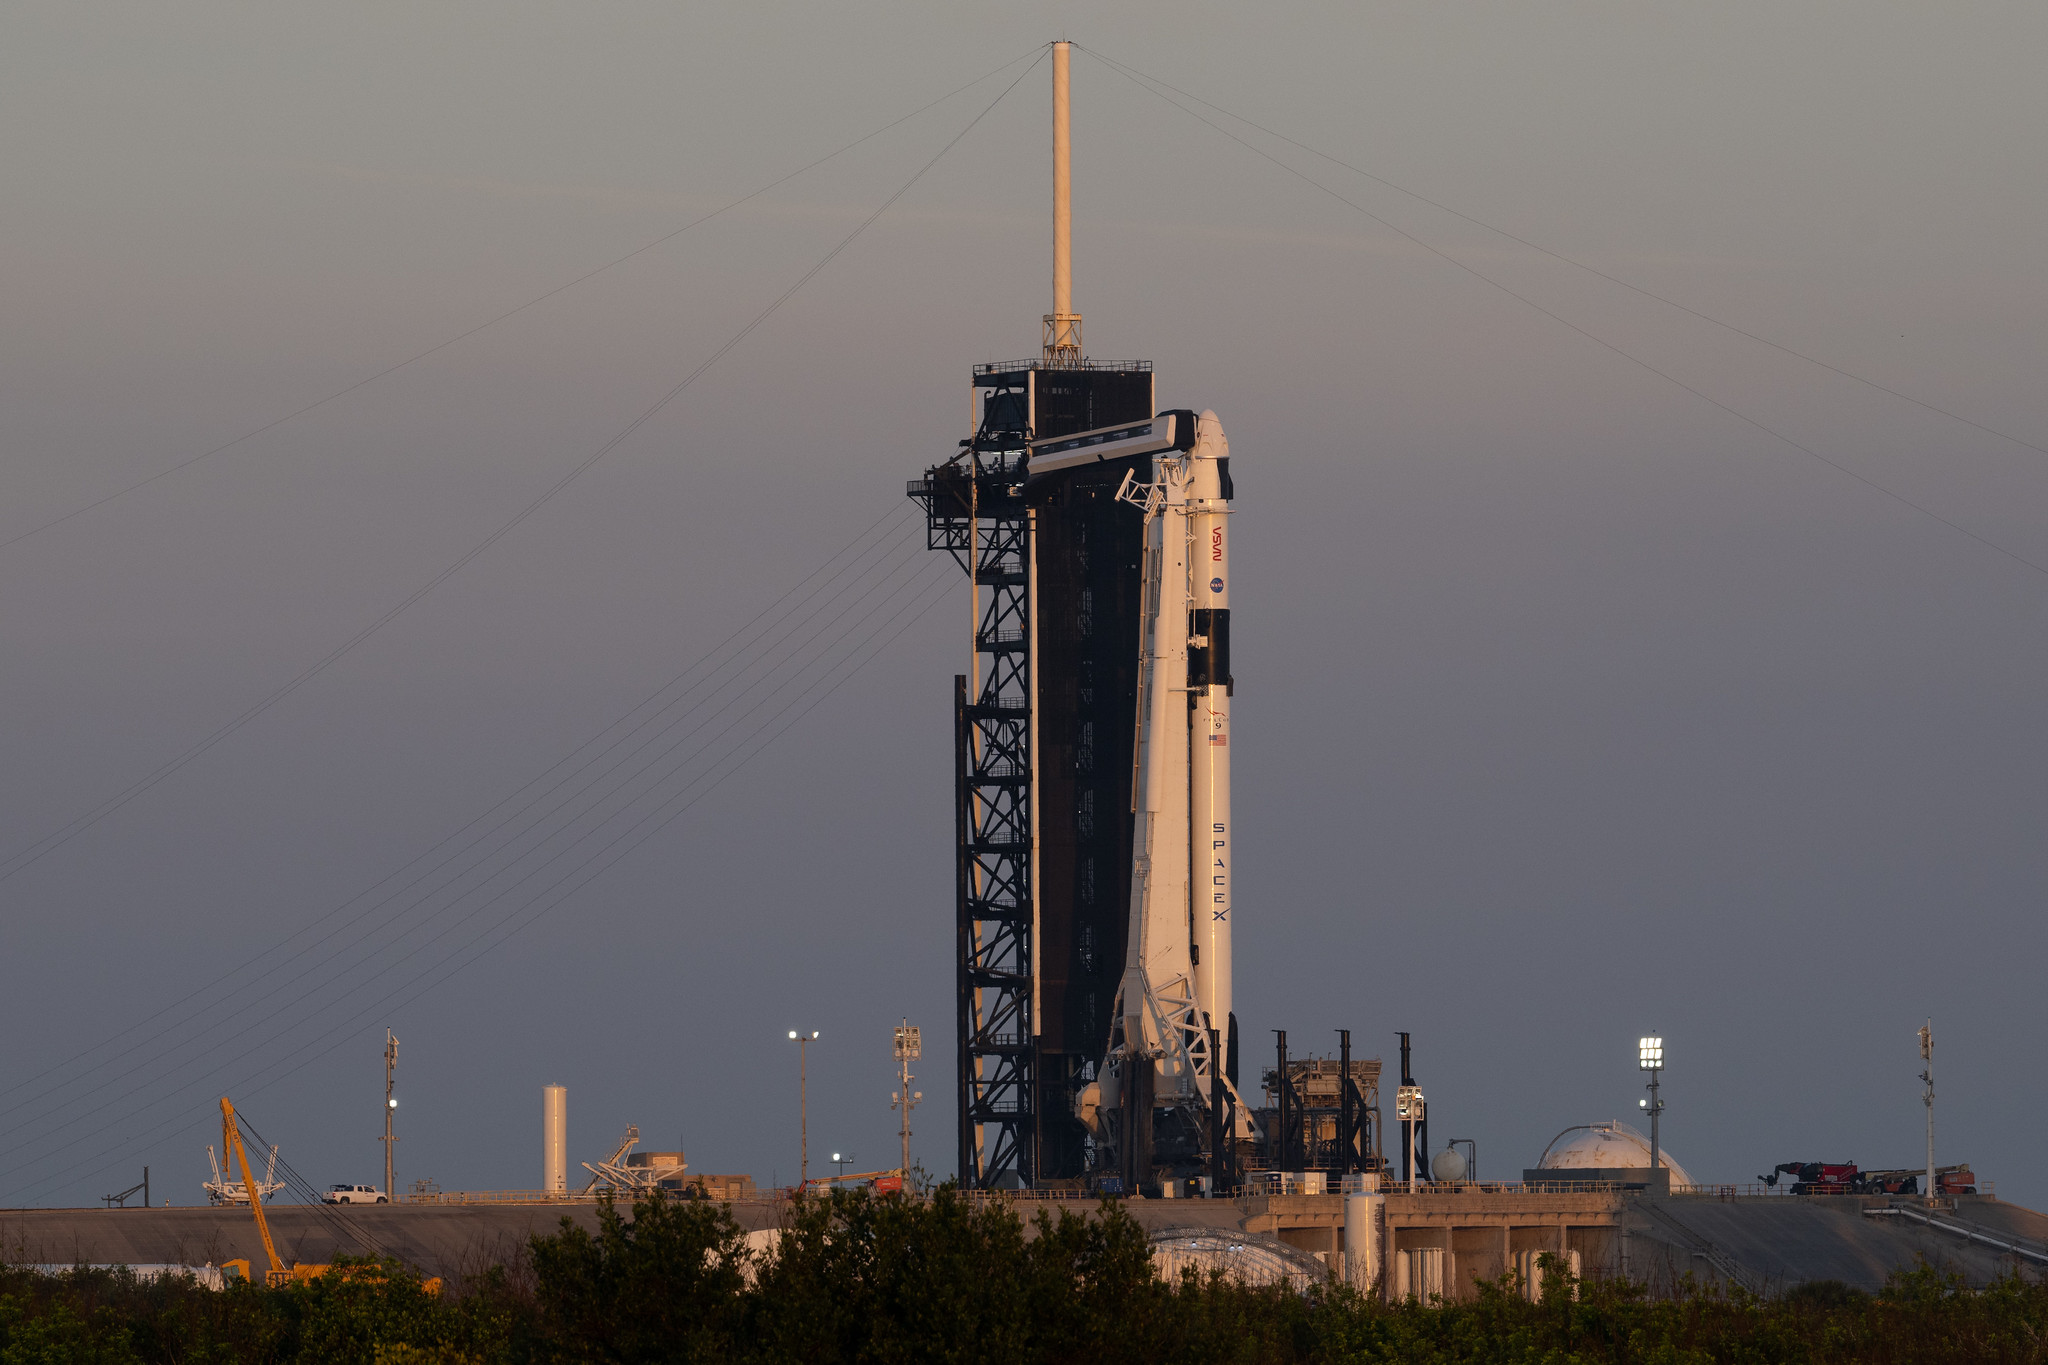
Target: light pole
1927 1079
841 1163
390 1106
1650 1058
803 1103
909 1046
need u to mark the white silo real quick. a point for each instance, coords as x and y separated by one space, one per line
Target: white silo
554 1122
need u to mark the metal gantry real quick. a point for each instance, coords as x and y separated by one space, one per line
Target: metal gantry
976 513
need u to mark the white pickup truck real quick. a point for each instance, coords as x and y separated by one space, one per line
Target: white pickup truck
353 1194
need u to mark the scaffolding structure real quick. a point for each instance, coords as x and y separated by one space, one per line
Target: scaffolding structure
976 513
1031 1029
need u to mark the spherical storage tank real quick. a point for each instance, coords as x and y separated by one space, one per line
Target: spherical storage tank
1608 1146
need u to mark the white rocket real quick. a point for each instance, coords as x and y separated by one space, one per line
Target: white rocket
1211 833
1176 985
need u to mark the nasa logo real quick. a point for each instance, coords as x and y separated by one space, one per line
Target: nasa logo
1216 543
1215 585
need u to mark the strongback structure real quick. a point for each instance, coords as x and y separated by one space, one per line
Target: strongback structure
1043 736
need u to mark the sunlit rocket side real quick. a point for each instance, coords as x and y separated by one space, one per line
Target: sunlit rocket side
1176 984
1158 963
1211 831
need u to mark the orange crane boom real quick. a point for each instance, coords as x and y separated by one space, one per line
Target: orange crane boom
232 1145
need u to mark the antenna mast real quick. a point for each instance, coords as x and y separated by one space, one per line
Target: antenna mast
1927 1081
1062 324
390 1108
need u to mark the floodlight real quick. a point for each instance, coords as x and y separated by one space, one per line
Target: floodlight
392 1103
1650 1054
792 1033
1642 1104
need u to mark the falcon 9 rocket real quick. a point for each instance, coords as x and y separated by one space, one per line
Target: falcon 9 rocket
1152 1105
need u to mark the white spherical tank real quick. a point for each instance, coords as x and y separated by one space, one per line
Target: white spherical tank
1447 1166
1606 1146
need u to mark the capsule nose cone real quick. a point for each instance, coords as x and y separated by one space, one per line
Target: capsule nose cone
1210 442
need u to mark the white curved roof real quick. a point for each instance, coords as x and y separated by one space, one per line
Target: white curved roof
1612 1145
1247 1257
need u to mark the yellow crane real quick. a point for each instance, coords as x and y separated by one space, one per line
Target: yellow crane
233 1149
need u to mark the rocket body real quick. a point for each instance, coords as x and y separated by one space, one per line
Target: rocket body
1159 958
1177 973
1211 833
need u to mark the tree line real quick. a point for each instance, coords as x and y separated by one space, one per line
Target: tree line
857 1278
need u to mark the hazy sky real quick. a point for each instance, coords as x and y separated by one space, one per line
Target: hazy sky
1571 705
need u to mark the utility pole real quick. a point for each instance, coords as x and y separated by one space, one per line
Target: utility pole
1927 1080
909 1047
803 1104
390 1108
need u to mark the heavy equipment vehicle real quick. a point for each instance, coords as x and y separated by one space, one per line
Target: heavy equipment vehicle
1819 1177
277 1273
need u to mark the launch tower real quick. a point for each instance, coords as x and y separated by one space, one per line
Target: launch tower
1035 508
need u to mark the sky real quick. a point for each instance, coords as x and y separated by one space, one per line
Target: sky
1606 664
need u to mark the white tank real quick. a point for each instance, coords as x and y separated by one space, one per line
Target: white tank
554 1125
1605 1147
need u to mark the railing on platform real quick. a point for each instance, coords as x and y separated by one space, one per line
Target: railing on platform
1756 1190
576 1197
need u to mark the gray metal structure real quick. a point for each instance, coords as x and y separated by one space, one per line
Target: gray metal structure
1031 1015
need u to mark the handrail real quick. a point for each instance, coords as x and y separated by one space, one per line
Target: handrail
567 1197
1963 1230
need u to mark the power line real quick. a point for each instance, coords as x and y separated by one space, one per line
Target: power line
793 599
1140 81
57 839
508 314
749 747
332 974
309 1193
1576 264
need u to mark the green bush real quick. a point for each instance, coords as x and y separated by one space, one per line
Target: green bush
888 1281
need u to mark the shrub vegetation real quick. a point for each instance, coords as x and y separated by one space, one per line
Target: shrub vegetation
903 1282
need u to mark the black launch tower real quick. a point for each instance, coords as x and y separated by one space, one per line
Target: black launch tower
1043 751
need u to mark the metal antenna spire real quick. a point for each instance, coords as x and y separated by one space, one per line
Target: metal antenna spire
1062 324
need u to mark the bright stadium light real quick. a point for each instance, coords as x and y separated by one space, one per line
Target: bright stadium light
1650 1058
